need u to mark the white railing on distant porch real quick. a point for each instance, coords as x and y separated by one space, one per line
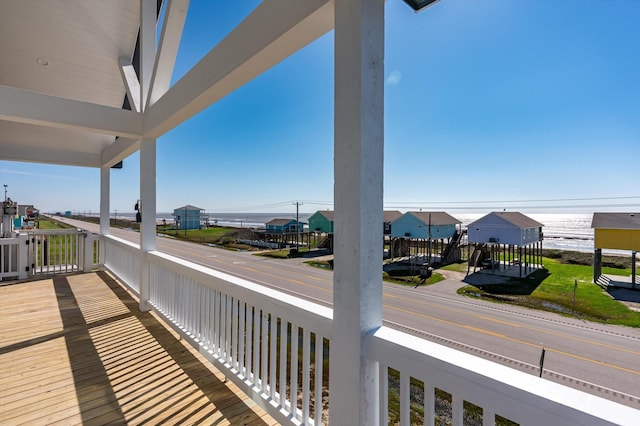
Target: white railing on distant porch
276 347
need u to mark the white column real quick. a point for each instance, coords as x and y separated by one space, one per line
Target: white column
148 206
148 20
105 186
148 194
24 269
358 171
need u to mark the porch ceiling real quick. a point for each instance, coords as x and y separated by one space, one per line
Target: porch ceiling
65 49
62 90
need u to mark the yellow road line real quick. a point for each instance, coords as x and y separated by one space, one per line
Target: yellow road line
511 339
540 330
500 321
482 330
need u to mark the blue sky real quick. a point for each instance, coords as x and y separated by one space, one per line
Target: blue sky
530 105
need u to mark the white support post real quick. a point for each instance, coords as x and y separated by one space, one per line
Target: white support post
88 241
148 21
105 189
358 170
148 207
23 256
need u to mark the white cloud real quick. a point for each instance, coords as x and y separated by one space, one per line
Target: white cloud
16 172
394 78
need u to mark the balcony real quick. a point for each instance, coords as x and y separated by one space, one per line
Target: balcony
218 348
91 356
77 350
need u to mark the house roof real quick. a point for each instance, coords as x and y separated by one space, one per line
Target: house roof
390 215
188 207
514 218
435 218
277 222
616 221
328 214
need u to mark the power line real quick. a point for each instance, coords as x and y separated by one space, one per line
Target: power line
459 205
510 207
519 201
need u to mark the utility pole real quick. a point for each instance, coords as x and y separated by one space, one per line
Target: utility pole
297 204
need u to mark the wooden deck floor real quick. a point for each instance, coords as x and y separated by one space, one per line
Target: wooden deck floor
76 350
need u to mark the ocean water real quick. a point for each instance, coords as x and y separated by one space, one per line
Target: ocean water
562 231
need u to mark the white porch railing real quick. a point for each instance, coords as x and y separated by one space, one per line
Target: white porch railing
275 347
45 252
13 258
476 390
272 345
122 258
58 251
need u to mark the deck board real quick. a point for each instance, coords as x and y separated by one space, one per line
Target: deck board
76 350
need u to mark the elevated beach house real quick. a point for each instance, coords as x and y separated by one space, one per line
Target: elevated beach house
388 217
283 226
88 83
321 221
616 231
515 235
425 225
189 217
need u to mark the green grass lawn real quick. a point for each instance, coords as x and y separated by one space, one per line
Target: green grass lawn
51 224
285 253
554 290
217 235
412 280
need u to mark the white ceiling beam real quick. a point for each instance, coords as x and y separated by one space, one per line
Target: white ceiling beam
172 27
48 156
131 83
148 24
272 32
23 106
119 150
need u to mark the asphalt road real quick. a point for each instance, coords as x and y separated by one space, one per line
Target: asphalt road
596 358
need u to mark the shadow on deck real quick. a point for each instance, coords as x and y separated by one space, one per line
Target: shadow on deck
76 350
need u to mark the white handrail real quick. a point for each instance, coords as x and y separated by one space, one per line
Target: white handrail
249 332
497 389
274 347
122 259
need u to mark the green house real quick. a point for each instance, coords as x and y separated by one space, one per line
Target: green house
321 221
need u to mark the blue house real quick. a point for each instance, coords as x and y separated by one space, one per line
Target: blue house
282 226
388 217
188 217
426 225
507 228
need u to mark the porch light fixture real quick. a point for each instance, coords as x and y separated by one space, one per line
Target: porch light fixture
417 5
